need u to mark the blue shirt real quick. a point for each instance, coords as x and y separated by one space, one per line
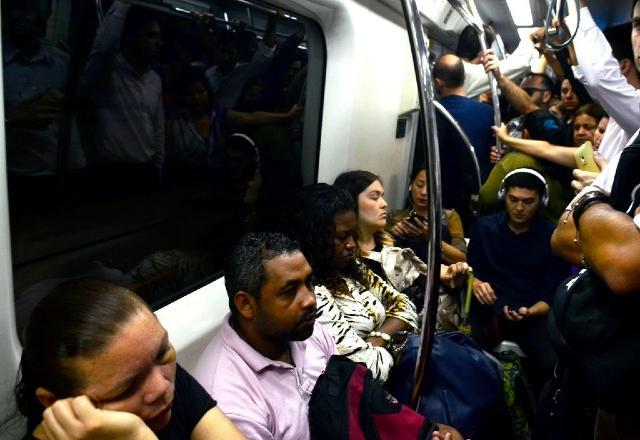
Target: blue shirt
520 267
476 120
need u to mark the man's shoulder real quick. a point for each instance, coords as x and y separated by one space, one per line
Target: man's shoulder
544 225
322 341
490 221
469 107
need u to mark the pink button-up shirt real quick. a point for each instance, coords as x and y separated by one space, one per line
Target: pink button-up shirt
265 399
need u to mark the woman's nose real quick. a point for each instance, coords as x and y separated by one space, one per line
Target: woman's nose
156 386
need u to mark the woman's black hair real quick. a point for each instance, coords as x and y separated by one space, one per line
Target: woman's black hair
190 76
355 182
78 318
312 224
412 178
591 109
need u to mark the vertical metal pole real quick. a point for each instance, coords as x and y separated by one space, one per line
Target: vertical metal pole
493 85
420 51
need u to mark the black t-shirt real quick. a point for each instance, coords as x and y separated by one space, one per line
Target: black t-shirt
190 403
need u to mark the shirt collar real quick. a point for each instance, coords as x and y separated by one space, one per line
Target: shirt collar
256 361
124 66
536 223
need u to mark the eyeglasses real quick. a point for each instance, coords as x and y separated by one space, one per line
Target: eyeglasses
531 90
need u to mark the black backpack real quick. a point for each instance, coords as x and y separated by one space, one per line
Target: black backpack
348 404
596 334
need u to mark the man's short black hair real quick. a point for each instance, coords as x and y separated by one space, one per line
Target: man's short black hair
542 125
137 19
451 72
524 180
547 82
244 269
618 37
469 44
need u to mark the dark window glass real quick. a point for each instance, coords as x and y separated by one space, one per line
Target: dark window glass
142 141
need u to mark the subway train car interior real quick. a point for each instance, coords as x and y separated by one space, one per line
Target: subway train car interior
142 139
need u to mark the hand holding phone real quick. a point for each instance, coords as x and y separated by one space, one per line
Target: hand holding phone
584 158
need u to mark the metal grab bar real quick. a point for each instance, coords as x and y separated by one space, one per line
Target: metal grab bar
420 52
465 139
473 18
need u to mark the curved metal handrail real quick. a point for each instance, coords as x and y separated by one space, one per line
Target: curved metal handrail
420 52
465 139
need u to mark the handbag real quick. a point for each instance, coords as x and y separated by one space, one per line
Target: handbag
462 384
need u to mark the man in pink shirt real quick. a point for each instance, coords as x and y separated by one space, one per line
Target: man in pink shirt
264 362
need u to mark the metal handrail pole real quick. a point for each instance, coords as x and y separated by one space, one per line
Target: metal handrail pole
420 52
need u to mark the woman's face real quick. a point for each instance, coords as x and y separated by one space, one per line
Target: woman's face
419 190
372 208
344 238
599 133
196 96
135 373
584 127
569 99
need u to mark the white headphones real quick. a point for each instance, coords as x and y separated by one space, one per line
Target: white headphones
544 198
251 142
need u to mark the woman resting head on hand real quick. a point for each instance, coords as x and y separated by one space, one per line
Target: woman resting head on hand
96 363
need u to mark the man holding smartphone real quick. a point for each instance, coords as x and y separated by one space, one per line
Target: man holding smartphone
516 273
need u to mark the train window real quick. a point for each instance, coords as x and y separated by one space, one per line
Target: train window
143 138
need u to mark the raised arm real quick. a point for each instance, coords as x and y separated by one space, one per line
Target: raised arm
517 97
513 66
601 74
105 44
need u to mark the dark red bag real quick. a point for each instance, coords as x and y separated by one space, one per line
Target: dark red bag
349 404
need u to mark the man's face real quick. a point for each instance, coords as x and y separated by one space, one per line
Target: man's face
148 43
286 309
521 205
535 87
635 34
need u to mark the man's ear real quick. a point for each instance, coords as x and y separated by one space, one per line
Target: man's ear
246 304
45 397
625 66
547 96
438 84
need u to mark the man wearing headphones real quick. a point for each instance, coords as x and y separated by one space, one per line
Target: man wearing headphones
516 273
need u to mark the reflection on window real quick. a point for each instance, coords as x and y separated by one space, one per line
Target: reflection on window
142 141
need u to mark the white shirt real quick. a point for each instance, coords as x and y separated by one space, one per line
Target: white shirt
514 66
613 141
600 73
129 108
